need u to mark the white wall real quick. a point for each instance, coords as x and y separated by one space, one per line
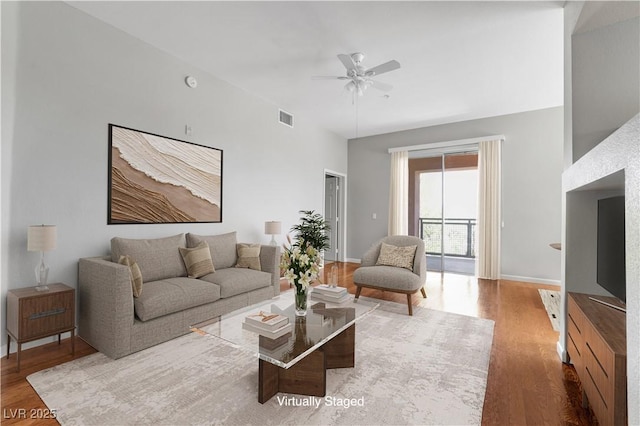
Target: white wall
606 87
66 75
571 15
531 176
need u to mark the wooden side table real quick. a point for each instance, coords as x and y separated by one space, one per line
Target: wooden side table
32 315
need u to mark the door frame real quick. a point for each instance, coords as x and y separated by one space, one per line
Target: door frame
342 210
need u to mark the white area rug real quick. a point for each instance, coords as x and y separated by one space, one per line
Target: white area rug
551 302
427 369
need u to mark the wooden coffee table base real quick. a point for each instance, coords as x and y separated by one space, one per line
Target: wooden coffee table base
309 375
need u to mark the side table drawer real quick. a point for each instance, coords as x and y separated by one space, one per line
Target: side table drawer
40 316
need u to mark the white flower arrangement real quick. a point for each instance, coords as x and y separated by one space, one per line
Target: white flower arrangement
301 265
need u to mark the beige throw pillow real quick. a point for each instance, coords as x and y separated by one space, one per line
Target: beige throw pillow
197 260
400 257
134 273
249 256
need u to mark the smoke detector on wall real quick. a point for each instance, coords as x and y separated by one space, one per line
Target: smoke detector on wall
191 82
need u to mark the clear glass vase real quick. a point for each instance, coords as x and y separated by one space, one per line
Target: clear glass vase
301 301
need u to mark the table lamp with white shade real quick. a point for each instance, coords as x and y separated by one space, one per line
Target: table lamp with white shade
273 228
41 238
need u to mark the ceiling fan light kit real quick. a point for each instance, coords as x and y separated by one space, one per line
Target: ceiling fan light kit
359 76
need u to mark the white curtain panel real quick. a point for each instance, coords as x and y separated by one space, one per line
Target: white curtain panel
488 260
399 194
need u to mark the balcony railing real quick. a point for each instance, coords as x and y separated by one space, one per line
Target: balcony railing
459 236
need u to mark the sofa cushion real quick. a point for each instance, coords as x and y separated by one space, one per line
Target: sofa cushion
165 297
389 277
234 281
134 273
157 258
197 260
222 247
249 256
400 257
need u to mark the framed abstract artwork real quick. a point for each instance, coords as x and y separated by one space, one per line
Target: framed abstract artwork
156 179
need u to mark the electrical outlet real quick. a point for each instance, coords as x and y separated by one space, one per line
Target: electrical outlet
374 216
187 130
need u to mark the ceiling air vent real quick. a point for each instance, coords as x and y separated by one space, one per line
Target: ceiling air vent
285 118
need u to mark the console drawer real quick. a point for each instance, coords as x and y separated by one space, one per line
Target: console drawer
575 347
596 344
575 339
597 401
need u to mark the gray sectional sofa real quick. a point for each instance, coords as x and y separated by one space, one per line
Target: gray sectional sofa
114 322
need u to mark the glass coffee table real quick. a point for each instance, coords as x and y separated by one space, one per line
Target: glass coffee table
295 362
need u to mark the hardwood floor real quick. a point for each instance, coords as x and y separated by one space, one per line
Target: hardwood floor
20 403
527 383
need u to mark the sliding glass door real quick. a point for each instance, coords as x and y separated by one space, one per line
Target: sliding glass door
445 206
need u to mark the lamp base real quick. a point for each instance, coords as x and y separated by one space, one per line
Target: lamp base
273 241
42 273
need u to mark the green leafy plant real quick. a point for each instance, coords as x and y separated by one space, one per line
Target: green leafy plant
311 231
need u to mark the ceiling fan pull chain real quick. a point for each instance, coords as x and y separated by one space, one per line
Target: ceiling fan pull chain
357 115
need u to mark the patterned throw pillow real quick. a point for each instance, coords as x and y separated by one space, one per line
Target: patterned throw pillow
400 257
197 260
249 256
134 273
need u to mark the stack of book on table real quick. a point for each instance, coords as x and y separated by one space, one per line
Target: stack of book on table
326 293
276 348
267 324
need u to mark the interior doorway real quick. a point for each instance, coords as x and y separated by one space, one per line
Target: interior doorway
443 209
334 212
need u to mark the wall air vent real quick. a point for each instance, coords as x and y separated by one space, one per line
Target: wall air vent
285 118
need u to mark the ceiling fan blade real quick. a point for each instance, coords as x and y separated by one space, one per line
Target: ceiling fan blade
347 61
382 68
381 86
329 77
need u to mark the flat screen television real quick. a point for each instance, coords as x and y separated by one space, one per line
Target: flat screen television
611 273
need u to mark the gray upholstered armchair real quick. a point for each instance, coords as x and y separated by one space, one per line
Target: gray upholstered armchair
393 278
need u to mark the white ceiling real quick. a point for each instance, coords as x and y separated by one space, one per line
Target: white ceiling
460 60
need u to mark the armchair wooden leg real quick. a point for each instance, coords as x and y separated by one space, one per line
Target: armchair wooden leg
409 303
358 290
424 293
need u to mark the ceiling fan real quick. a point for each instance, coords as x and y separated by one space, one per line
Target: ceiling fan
360 77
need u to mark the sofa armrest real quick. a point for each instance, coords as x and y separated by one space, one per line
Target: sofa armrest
270 262
420 266
371 255
420 262
105 308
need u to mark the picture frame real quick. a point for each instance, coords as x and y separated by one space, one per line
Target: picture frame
158 179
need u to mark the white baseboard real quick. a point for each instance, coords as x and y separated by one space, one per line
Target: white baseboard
561 352
530 280
353 260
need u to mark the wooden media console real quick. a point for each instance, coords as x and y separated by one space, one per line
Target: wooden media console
597 347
